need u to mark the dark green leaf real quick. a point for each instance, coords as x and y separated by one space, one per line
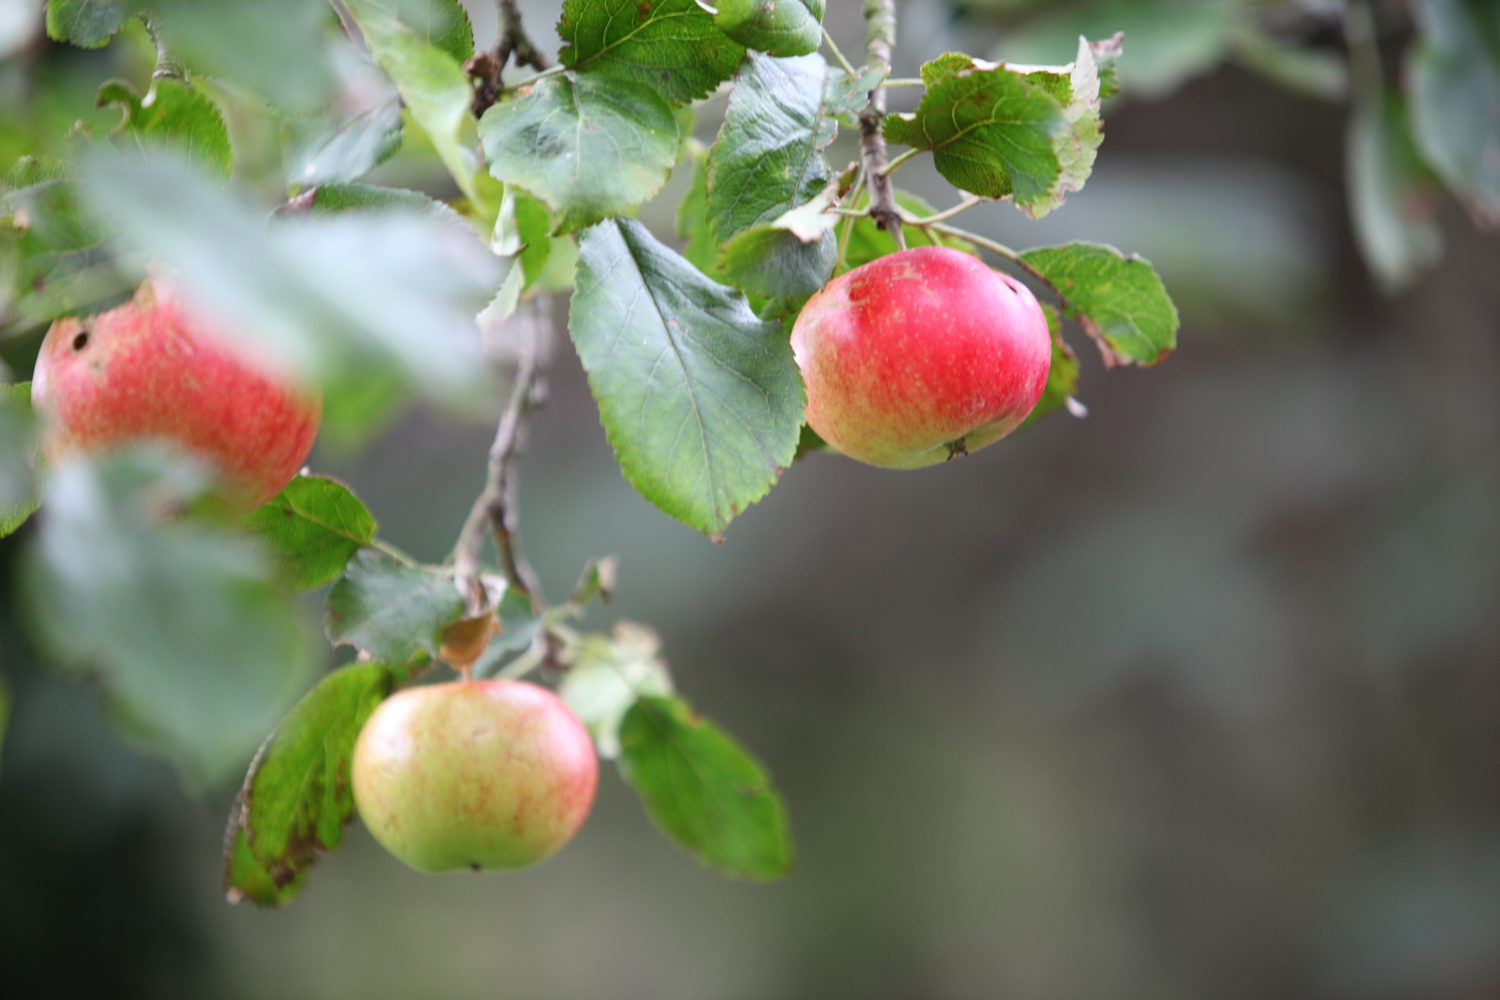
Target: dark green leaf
776 27
766 159
809 442
320 151
273 47
1062 377
1390 193
773 262
391 610
175 115
20 493
297 798
177 619
704 791
701 401
589 147
313 526
669 46
434 86
1454 80
1118 300
991 133
89 24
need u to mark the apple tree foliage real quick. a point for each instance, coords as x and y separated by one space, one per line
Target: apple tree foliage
191 622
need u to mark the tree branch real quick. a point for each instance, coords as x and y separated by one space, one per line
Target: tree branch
880 38
512 43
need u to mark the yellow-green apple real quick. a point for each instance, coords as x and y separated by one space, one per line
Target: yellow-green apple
483 775
157 368
919 356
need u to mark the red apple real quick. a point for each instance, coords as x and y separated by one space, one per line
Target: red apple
154 368
919 356
474 774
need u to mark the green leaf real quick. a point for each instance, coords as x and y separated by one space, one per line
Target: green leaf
60 263
589 147
20 492
297 798
866 242
441 23
434 86
692 219
1318 73
608 675
990 132
701 400
1118 300
176 115
390 610
273 47
669 46
313 527
533 223
1454 89
775 27
1390 193
323 151
847 95
766 160
1076 88
1062 377
703 791
773 262
177 618
335 199
89 24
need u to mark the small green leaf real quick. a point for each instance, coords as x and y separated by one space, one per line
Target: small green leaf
703 791
775 27
323 151
701 400
297 798
434 86
533 223
1454 88
89 24
313 527
669 46
178 619
176 115
991 133
590 148
1062 377
848 95
1118 300
390 610
20 493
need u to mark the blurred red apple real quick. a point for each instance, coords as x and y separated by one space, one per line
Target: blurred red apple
154 368
482 775
919 356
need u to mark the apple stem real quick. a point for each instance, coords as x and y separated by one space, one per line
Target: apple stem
880 38
496 508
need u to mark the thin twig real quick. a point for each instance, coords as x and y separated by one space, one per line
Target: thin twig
511 44
894 165
927 220
905 81
828 40
880 38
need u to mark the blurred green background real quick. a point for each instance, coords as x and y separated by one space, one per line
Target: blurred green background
1196 697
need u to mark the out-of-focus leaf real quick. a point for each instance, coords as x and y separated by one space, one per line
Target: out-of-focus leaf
323 151
297 798
1062 377
703 791
701 400
20 493
1118 300
1318 73
273 47
313 527
991 132
333 199
176 115
441 23
1454 93
391 610
847 95
607 677
596 580
1390 193
336 298
89 24
533 223
669 46
177 619
776 27
692 219
432 82
589 147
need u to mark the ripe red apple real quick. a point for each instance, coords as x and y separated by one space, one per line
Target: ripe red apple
919 356
474 774
154 368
